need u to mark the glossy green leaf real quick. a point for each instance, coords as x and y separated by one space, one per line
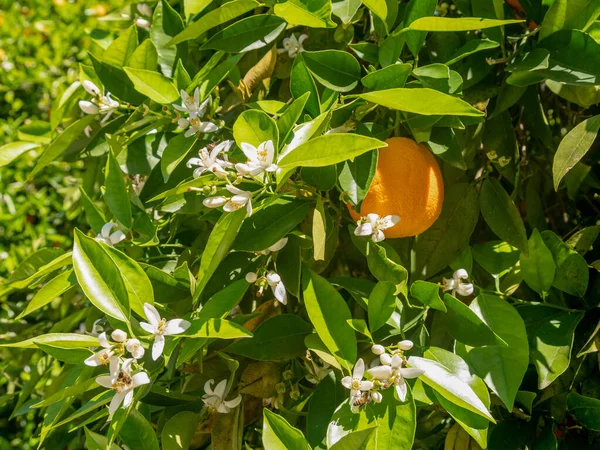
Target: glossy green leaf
64 340
116 195
423 101
428 294
390 77
329 149
11 151
319 231
382 303
247 34
573 147
301 83
417 9
501 214
144 57
166 23
586 410
328 394
153 85
51 290
457 24
537 266
569 15
99 277
137 433
116 81
572 272
121 49
279 338
179 430
278 434
95 441
226 12
495 256
255 127
354 441
471 47
174 153
329 313
334 69
502 368
309 13
38 264
215 328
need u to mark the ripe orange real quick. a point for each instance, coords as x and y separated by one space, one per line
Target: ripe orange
408 183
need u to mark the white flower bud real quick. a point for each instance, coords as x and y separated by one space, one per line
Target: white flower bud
118 335
251 277
214 202
378 349
405 345
376 396
385 359
382 373
91 88
88 107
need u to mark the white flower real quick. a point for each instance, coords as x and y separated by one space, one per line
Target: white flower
209 161
251 277
277 287
191 104
134 346
160 328
381 373
400 374
104 356
97 328
100 104
196 126
259 159
373 226
457 284
123 383
378 349
239 200
215 399
118 335
108 238
355 383
292 45
276 246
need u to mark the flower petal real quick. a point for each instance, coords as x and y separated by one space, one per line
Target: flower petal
401 390
220 389
208 387
233 403
347 382
176 326
103 340
366 385
139 379
115 403
148 327
104 381
364 229
152 314
380 372
158 346
410 373
249 150
359 369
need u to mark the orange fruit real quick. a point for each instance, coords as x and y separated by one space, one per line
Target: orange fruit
408 183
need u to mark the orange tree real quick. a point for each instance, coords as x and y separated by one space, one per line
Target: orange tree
221 291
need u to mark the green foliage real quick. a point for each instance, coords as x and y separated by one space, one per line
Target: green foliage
179 267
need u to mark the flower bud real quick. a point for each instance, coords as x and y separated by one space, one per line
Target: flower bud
405 345
382 373
118 335
88 107
251 277
91 88
385 359
378 349
377 396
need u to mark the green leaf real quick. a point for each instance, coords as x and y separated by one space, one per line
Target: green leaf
11 151
329 149
301 83
379 260
116 195
501 214
279 338
328 394
278 434
586 410
537 266
457 24
94 216
247 34
288 119
551 333
95 441
428 294
269 224
64 340
138 285
473 423
38 264
467 327
449 386
121 49
573 147
569 15
495 256
319 231
179 430
99 277
334 69
66 355
422 101
209 77
61 143
502 368
174 153
353 441
116 81
144 57
417 9
393 76
137 433
433 248
356 176
309 13
471 47
166 24
215 328
323 178
219 242
329 313
224 13
572 272
153 85
255 127
51 290
382 303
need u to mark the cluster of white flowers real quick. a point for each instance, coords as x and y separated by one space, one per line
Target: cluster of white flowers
458 284
373 226
111 353
100 104
214 399
270 278
385 371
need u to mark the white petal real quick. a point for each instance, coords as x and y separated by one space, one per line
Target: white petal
139 379
126 367
151 314
114 366
117 237
202 107
215 202
278 245
366 385
103 340
104 381
223 409
106 228
411 372
401 390
207 387
158 346
249 150
386 359
88 107
378 349
378 236
364 229
115 402
207 127
390 221
302 38
91 88
280 293
176 326
372 218
405 344
220 389
461 274
183 123
231 188
94 360
128 398
347 382
397 361
148 327
465 289
273 278
268 146
233 403
359 369
249 207
380 372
